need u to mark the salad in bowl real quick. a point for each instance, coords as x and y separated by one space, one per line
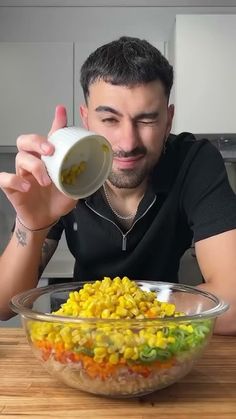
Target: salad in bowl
118 337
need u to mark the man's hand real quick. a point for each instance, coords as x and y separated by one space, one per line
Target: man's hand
36 200
216 256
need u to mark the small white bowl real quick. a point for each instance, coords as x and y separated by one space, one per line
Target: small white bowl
73 146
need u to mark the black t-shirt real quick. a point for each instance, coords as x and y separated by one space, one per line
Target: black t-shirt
188 199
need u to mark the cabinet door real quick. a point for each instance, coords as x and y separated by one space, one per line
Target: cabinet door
34 78
205 68
82 51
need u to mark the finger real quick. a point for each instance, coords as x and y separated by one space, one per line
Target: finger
34 143
13 182
60 119
27 163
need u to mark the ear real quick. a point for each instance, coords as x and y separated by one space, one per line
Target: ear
170 116
84 115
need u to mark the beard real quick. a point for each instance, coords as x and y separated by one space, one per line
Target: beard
132 178
128 179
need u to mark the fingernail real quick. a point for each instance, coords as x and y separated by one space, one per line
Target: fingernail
46 148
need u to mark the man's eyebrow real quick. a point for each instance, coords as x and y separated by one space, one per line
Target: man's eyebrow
107 109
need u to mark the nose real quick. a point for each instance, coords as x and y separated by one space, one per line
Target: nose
129 137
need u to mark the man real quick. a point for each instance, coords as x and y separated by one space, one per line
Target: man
163 192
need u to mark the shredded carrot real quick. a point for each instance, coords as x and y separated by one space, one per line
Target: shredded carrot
94 369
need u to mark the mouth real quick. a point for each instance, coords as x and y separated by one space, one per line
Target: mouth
127 162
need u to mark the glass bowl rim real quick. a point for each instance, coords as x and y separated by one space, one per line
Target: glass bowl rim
17 301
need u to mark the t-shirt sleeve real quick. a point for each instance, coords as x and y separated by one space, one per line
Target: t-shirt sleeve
208 200
56 231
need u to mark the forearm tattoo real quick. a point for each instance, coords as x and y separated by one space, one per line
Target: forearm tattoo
21 236
48 248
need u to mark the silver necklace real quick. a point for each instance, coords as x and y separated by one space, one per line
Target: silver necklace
127 217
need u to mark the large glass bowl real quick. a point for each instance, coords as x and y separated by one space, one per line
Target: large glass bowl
147 354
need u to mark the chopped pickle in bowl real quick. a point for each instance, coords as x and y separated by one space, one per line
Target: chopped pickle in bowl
114 337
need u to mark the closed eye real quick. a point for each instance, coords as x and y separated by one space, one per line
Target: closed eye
109 120
151 122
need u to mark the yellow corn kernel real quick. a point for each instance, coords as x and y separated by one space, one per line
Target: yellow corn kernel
170 309
140 317
161 343
68 345
135 355
114 300
152 341
65 331
74 168
190 328
121 301
51 337
98 359
187 328
100 352
114 316
134 311
118 339
105 148
121 311
65 172
69 175
128 353
105 314
143 306
82 166
114 358
154 311
129 340
171 339
76 339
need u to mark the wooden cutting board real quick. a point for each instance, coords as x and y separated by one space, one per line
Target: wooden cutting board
27 390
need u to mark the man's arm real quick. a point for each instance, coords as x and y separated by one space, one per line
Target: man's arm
21 264
37 203
216 257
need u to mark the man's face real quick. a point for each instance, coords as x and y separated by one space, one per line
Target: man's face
136 121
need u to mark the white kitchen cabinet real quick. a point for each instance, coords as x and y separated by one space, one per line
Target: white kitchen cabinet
203 52
82 51
34 78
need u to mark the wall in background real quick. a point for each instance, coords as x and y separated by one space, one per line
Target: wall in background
7 214
93 26
94 23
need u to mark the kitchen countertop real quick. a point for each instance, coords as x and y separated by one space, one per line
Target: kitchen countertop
27 390
225 143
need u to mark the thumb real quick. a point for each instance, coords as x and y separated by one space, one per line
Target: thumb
60 119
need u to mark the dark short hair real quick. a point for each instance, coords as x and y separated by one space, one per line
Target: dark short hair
127 61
